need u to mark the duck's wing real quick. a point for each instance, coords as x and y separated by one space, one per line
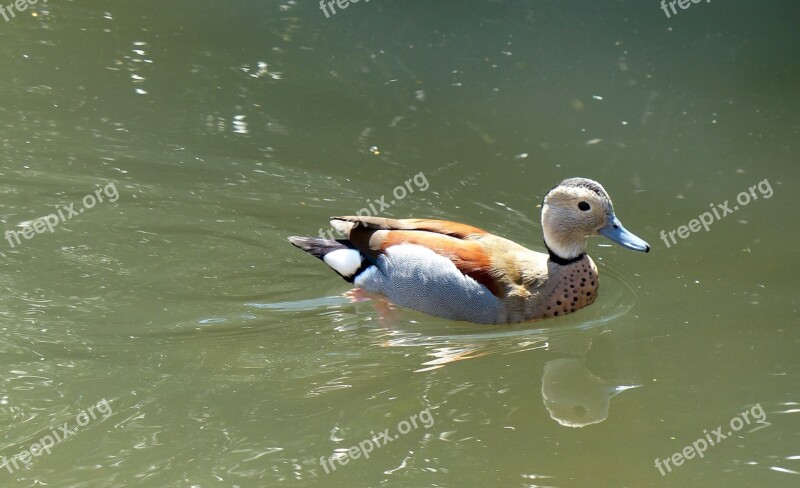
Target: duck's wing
444 227
460 243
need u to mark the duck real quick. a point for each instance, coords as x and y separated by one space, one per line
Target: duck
459 272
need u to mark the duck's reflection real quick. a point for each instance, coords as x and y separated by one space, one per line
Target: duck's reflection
574 396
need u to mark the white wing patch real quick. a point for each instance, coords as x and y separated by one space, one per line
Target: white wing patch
344 261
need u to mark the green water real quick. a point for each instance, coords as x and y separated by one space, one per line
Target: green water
206 351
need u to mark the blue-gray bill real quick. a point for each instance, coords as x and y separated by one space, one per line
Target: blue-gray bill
619 234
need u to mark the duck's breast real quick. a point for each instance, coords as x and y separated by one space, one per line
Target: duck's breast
570 288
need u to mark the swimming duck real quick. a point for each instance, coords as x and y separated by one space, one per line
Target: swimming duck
459 272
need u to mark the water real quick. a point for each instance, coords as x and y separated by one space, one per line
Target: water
207 351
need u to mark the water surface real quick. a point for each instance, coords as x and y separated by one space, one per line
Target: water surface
226 357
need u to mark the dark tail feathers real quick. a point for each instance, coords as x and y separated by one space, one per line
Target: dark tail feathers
348 265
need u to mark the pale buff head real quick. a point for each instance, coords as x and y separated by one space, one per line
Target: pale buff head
578 208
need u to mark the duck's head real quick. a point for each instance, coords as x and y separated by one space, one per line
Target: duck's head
578 208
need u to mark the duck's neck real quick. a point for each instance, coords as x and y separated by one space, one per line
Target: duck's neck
563 251
562 261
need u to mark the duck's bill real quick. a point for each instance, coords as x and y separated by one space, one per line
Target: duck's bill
619 234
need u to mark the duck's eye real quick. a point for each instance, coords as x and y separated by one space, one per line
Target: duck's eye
584 206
